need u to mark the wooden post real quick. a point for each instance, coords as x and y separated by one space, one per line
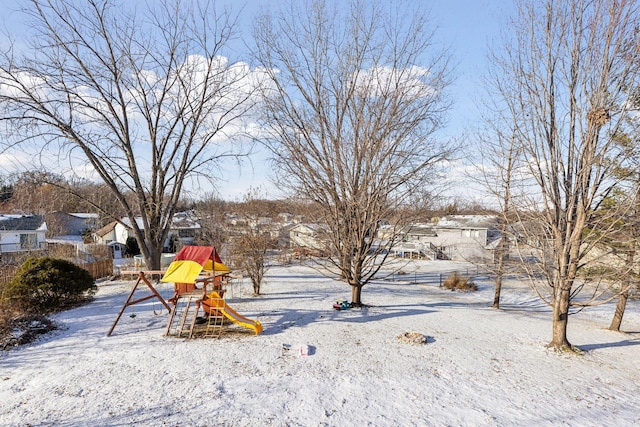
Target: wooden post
154 294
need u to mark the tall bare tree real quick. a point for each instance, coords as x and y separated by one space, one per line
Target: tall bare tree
356 95
498 171
564 77
144 101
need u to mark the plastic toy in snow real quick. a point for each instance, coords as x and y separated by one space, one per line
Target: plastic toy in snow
342 305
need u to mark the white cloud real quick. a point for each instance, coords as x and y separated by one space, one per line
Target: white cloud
411 82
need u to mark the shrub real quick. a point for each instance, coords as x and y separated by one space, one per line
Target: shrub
131 247
44 285
456 282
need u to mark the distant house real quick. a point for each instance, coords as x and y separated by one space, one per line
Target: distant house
20 233
471 238
308 236
416 241
71 226
107 236
184 229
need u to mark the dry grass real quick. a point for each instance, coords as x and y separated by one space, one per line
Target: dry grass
17 327
456 282
7 314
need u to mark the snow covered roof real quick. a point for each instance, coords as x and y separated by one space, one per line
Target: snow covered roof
85 215
181 220
421 229
22 223
468 221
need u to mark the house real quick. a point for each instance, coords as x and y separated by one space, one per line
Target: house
309 237
107 236
183 231
415 242
185 228
472 238
21 233
62 224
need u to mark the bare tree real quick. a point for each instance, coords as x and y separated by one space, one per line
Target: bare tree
564 81
210 212
252 241
356 95
143 101
504 164
249 255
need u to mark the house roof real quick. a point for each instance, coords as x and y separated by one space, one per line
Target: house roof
85 215
22 223
310 227
468 221
106 229
184 220
180 220
421 229
127 223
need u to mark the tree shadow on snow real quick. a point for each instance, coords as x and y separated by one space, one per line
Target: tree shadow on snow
623 343
301 318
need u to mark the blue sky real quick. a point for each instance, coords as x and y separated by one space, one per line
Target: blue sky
466 27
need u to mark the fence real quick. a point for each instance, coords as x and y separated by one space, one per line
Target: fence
99 269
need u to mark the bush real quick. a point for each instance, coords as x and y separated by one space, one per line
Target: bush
455 282
45 285
131 247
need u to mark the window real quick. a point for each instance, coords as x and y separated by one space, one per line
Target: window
471 233
187 232
29 241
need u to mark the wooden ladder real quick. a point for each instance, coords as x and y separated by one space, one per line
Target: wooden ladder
182 320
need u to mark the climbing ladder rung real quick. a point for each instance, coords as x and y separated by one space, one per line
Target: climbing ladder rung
183 317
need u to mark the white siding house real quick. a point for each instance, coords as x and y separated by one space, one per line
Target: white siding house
309 236
184 228
20 233
471 238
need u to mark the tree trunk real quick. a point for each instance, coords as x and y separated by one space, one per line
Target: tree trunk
496 296
152 256
356 292
620 307
500 266
622 298
502 249
560 319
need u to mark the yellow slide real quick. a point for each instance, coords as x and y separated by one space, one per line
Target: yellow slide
213 302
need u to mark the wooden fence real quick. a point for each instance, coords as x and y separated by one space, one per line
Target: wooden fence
99 269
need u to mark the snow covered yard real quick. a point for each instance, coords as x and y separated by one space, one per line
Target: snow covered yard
478 367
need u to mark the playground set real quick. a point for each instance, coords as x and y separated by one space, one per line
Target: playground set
199 277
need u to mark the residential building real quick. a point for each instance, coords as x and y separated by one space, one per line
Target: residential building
308 236
183 231
20 233
472 238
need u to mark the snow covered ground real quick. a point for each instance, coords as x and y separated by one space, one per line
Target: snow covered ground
479 367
